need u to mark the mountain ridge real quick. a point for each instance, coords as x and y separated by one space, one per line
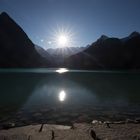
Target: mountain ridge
111 53
106 53
16 49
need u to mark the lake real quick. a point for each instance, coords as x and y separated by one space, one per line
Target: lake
32 96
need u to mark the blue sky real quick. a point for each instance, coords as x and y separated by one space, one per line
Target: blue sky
86 20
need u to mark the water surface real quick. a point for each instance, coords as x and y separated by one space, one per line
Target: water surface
31 96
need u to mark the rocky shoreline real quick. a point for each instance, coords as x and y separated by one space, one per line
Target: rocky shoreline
60 116
107 123
96 130
127 121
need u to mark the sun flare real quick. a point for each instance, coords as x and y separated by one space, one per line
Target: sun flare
62 37
63 40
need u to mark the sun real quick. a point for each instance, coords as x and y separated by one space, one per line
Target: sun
63 40
62 37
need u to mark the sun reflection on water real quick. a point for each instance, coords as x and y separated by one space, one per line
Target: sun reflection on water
62 70
62 95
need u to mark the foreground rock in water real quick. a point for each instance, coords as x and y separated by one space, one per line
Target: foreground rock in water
81 131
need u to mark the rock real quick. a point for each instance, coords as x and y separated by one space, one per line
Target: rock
53 127
93 134
129 121
8 125
95 121
84 127
119 122
136 122
83 118
137 119
100 122
107 122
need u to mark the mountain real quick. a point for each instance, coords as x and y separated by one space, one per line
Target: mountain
109 53
16 49
64 52
133 34
56 56
60 54
43 52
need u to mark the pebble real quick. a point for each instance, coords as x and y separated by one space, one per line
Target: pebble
95 121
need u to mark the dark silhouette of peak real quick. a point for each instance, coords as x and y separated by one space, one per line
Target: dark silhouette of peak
11 27
134 34
16 49
4 14
110 53
103 37
100 40
5 18
131 36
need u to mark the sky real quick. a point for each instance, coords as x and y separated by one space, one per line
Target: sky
84 21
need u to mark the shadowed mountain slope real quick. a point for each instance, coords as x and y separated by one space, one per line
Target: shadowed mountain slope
16 49
109 53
